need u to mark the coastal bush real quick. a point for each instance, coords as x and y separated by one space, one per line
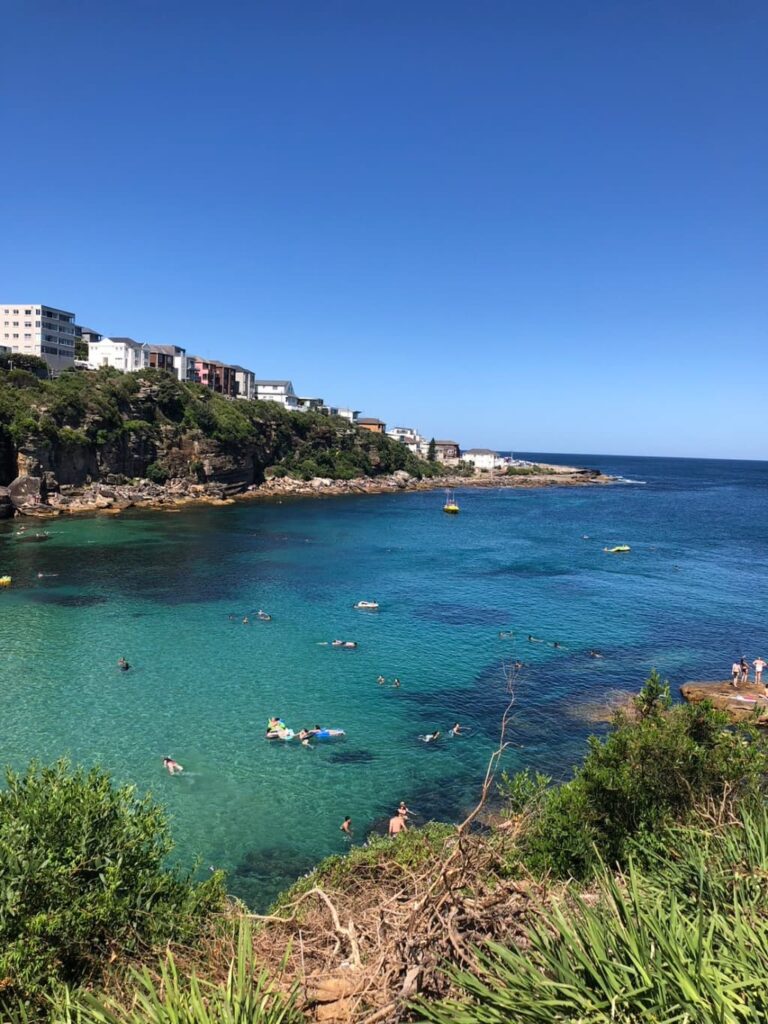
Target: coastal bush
82 877
247 996
652 768
407 850
156 473
682 938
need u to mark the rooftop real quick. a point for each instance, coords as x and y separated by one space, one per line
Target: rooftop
371 419
455 444
274 383
166 350
125 341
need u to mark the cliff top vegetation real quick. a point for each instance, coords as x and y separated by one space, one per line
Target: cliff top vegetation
148 424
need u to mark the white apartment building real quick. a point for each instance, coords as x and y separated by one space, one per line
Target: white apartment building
277 391
123 354
411 438
34 329
483 458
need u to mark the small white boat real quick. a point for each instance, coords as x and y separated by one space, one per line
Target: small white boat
368 606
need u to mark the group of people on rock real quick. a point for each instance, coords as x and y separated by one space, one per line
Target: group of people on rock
740 671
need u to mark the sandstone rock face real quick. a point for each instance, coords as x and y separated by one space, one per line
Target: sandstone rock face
7 508
27 491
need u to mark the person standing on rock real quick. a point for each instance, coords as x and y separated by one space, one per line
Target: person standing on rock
744 669
759 664
735 673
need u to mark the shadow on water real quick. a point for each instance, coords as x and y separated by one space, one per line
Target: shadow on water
262 874
463 615
351 757
67 600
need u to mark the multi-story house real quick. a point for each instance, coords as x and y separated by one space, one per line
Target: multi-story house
123 354
446 451
483 458
371 423
277 391
38 330
219 377
310 405
246 382
171 358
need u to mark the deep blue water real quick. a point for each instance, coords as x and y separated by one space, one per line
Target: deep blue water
160 589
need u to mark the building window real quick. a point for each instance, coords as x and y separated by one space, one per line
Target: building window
27 312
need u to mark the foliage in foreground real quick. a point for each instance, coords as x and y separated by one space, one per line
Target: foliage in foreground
652 769
82 876
681 937
246 997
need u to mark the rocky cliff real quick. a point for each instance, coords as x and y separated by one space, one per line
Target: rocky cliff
138 431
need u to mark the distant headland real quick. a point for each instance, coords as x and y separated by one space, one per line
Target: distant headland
105 440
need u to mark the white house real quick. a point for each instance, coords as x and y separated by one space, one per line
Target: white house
122 353
346 414
410 437
483 458
276 391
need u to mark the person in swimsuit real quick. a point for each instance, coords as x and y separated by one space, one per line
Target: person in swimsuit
346 826
174 768
759 664
397 824
456 730
735 673
123 665
744 669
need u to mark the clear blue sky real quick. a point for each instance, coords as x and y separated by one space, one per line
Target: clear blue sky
528 224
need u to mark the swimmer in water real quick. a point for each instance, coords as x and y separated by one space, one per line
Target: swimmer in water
245 620
396 683
380 680
456 730
432 736
174 768
533 639
123 665
305 736
346 826
596 654
402 810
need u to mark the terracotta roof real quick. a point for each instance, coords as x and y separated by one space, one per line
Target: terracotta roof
371 419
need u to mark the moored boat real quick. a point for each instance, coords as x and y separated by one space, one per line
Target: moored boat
450 505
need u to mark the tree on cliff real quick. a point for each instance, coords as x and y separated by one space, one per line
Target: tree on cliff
432 451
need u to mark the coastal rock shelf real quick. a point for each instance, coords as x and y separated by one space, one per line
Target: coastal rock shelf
28 495
744 701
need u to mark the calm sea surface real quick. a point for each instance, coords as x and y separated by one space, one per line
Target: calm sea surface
161 589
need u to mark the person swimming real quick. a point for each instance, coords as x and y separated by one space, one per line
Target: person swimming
174 768
380 680
431 737
534 639
456 730
263 616
123 665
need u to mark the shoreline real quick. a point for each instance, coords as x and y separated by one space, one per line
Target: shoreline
112 499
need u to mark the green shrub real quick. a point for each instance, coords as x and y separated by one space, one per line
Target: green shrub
246 997
156 473
82 874
685 939
647 772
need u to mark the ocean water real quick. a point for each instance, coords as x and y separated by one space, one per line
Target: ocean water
169 590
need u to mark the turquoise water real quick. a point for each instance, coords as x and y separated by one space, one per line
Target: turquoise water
159 588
